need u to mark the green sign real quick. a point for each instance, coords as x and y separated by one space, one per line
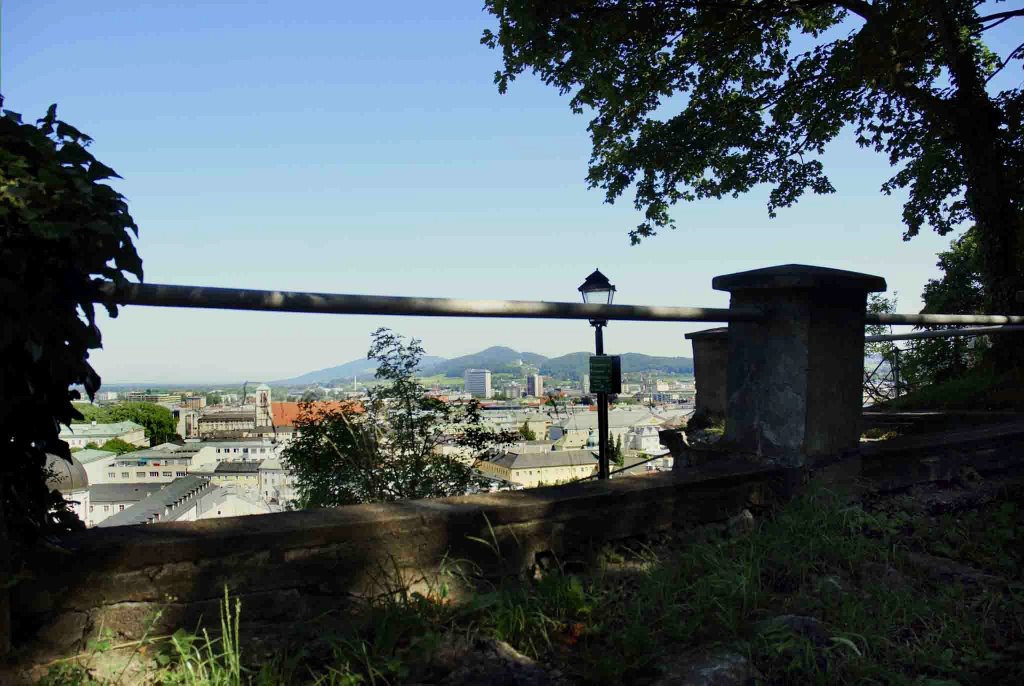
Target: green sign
605 374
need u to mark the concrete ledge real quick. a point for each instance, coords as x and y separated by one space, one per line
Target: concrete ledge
906 461
291 566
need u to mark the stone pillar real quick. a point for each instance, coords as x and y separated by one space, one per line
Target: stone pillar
710 361
795 379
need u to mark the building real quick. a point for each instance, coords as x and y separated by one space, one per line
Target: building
193 402
535 385
160 464
81 435
107 500
478 383
95 462
586 384
150 397
573 431
233 420
188 422
70 480
264 414
546 468
177 501
276 484
239 474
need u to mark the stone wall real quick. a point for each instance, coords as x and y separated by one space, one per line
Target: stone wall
291 566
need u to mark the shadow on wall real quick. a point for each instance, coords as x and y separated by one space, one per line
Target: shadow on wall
294 566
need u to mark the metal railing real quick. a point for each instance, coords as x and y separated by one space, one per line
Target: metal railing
943 333
204 297
208 297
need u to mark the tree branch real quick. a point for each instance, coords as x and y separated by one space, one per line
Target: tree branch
1009 14
861 8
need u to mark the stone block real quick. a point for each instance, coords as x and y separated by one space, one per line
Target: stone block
795 377
710 367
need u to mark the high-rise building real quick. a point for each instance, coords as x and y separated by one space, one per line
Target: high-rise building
535 385
586 384
478 382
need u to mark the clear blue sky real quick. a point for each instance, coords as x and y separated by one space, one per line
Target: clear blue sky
362 147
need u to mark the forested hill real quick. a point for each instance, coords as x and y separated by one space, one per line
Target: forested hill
575 365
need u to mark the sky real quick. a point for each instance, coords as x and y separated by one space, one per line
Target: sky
362 147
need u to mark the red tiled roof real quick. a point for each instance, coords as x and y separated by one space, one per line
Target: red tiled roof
286 414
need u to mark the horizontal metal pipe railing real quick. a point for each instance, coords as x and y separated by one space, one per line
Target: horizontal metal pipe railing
950 319
943 333
205 297
208 297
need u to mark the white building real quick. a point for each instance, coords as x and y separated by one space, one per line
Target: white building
572 432
80 435
535 385
276 484
546 468
586 384
478 383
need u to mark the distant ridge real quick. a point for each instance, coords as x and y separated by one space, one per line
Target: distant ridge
500 360
341 372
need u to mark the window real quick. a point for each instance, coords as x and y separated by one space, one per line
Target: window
141 475
167 473
125 475
245 450
90 508
120 508
106 508
179 473
154 473
111 475
218 450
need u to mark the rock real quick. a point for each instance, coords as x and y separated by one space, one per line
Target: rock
496 663
885 575
943 569
741 524
808 627
707 667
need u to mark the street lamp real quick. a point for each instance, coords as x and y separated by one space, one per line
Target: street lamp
598 290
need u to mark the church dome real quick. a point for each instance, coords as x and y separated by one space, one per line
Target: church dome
65 476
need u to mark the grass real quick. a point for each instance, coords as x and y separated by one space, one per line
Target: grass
978 389
878 619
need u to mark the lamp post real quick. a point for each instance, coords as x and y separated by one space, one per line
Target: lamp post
597 289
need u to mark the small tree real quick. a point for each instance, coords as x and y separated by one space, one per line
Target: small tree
402 444
527 433
116 445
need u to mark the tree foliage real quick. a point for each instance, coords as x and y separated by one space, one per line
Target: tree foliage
61 231
527 433
404 444
116 445
157 420
696 99
922 362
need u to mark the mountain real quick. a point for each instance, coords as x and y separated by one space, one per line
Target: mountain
499 359
575 365
345 372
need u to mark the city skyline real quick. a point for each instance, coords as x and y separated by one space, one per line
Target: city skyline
285 150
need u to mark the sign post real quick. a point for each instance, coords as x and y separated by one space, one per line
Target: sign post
605 378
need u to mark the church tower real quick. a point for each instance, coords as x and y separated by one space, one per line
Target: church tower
264 414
